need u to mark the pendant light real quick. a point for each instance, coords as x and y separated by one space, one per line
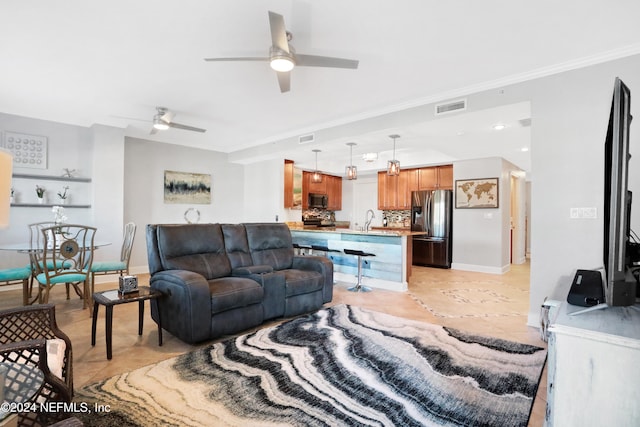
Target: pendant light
352 171
393 166
317 176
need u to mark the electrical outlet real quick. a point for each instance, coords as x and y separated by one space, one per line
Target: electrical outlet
583 213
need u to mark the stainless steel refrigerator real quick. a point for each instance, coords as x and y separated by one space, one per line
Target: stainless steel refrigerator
432 211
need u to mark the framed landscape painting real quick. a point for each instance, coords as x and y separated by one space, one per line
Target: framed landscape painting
187 188
480 193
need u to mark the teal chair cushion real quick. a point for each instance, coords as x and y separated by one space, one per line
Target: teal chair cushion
102 266
62 278
19 273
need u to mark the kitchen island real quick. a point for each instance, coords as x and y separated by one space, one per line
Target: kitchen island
390 268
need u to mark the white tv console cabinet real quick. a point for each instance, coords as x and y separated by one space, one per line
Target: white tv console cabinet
594 368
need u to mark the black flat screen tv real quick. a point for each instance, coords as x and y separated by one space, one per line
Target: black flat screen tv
620 286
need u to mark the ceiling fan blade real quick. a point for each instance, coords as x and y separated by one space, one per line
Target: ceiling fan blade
185 127
278 31
325 61
247 58
284 80
153 131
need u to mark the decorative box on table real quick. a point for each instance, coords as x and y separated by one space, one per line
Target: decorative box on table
128 284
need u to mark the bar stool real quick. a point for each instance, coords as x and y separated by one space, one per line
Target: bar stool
360 254
300 249
324 249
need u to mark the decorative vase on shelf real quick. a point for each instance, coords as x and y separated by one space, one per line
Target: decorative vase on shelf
41 200
12 200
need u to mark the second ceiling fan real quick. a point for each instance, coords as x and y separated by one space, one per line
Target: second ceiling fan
283 57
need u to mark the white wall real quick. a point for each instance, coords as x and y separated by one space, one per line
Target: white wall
68 147
145 163
570 116
480 241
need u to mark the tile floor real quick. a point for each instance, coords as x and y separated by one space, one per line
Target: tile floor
488 304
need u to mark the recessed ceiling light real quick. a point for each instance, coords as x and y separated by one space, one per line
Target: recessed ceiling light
524 149
498 126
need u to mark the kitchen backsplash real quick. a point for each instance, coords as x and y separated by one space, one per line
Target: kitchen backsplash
322 214
397 218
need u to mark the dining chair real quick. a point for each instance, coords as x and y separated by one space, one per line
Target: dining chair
67 257
17 276
116 267
36 243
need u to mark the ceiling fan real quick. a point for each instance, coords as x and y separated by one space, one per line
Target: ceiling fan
163 120
283 57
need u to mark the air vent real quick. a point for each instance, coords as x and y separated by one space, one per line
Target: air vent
525 123
451 107
305 139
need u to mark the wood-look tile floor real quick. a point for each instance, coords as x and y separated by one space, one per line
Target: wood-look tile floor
487 304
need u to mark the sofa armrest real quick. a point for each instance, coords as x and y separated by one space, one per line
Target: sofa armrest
185 307
251 269
323 266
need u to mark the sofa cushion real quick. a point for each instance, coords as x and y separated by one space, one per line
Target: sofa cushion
235 242
270 244
228 293
298 282
193 247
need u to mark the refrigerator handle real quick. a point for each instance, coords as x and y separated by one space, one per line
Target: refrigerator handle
427 219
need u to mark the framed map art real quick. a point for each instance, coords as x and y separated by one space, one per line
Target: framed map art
480 193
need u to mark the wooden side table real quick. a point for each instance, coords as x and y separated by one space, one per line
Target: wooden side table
114 297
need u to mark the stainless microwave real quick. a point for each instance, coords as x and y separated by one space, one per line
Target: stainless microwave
318 201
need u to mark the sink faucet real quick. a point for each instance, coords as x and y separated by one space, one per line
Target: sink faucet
368 220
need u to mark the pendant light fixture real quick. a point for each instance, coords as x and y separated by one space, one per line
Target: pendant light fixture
352 171
317 176
393 166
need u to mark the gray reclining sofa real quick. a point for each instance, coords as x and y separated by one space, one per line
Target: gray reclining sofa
219 279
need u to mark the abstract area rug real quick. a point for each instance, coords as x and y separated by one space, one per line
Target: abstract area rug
339 366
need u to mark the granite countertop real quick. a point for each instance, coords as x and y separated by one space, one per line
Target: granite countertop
397 232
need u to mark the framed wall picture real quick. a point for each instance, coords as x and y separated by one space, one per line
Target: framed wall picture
187 188
479 193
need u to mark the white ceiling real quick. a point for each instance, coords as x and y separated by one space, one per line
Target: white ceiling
112 63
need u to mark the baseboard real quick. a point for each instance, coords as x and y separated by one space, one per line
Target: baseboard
480 268
350 280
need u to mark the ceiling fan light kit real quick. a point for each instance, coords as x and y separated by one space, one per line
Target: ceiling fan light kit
393 166
283 58
158 123
163 120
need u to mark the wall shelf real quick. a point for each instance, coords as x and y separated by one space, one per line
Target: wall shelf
46 205
51 177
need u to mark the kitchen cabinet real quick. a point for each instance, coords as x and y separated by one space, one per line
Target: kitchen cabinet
334 191
436 177
288 183
331 186
394 192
